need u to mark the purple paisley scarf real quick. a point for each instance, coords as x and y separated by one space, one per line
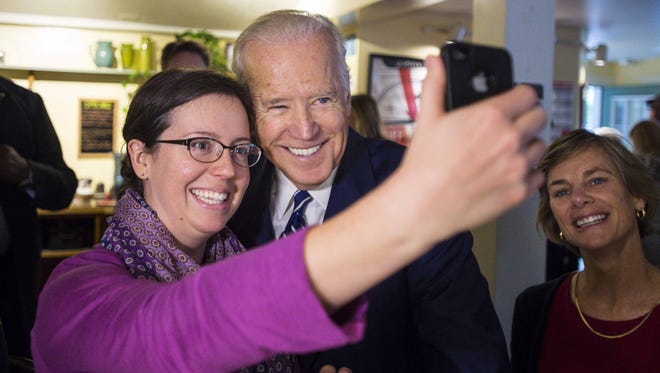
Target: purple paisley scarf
147 247
148 250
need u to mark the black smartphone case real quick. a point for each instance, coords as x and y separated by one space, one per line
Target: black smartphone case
475 72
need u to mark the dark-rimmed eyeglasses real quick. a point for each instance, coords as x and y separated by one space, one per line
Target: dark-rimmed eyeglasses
208 150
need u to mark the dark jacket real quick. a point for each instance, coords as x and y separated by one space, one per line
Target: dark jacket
435 315
25 125
529 317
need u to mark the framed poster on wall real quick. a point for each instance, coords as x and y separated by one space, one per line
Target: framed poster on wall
97 127
396 83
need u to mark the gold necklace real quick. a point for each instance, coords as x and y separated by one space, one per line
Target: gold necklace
596 332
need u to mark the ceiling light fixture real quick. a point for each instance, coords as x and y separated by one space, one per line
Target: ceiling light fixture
457 32
601 55
598 54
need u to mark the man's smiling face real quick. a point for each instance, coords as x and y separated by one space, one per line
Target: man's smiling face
302 111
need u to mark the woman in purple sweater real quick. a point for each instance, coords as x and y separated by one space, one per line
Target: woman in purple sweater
166 290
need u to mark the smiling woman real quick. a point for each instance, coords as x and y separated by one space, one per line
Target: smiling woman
598 200
187 168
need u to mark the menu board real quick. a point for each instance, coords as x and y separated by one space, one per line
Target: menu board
97 127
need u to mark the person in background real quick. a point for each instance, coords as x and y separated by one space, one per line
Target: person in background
654 108
434 315
365 117
645 137
33 175
186 54
169 288
597 200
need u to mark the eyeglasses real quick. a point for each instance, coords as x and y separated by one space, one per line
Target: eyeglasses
208 150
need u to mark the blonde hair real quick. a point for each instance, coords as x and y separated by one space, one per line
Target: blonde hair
645 137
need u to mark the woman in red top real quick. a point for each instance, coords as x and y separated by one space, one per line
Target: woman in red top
598 200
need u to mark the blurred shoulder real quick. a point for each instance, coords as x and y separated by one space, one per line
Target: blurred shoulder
10 87
18 94
381 151
377 145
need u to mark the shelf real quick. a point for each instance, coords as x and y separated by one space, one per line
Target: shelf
62 253
73 228
98 75
77 211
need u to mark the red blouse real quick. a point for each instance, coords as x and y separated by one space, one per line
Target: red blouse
568 346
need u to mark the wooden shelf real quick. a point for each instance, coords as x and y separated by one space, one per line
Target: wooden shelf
77 211
69 232
74 227
61 254
98 75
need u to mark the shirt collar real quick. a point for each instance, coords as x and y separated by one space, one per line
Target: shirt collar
283 189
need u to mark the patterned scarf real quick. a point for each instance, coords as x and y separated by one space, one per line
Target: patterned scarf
149 251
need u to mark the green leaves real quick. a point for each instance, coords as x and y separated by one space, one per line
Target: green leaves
218 60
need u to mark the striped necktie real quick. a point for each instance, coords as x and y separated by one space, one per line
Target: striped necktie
297 220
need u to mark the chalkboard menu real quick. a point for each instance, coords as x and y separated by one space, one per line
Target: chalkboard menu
97 126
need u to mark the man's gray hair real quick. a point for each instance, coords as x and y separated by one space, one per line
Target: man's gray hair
288 26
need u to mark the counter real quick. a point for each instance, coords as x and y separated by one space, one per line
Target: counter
70 231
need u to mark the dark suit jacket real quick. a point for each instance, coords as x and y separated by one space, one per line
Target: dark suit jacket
25 125
529 318
433 316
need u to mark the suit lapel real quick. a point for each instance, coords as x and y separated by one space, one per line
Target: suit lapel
264 184
354 176
251 222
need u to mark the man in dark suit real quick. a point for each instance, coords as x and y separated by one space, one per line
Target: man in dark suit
436 315
32 174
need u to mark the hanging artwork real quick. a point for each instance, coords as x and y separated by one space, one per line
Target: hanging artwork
396 83
97 123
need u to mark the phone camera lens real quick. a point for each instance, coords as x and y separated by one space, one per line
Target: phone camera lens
458 55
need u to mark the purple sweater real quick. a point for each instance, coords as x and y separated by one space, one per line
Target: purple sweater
94 316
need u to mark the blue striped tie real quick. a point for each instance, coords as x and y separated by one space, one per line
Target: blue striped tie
297 220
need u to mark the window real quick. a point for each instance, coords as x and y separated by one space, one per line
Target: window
626 110
591 97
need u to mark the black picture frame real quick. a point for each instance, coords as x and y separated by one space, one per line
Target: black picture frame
98 119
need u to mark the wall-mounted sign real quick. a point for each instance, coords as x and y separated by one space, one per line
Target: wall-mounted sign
396 83
97 127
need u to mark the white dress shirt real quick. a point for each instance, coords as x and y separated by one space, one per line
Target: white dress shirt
281 201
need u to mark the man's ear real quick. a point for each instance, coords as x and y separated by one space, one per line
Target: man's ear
347 106
137 151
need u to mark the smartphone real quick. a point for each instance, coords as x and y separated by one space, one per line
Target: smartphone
475 72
